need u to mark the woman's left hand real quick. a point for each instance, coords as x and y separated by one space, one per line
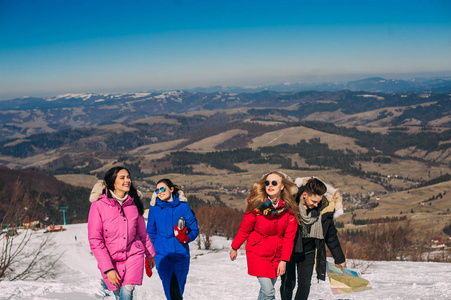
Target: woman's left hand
152 262
281 268
233 254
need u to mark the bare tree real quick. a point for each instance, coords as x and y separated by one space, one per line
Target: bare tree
361 265
216 220
25 254
208 224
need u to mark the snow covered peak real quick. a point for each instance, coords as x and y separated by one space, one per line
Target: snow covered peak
68 96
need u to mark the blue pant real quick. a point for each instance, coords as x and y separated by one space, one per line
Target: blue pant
173 271
125 292
267 290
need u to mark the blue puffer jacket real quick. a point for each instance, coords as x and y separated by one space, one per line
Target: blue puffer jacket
171 255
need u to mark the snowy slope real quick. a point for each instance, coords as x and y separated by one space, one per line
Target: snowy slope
213 276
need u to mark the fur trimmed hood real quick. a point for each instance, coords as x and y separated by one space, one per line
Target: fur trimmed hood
182 198
332 195
98 190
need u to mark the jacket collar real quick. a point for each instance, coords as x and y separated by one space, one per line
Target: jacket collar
175 202
111 201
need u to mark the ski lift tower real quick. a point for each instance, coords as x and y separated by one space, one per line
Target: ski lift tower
63 209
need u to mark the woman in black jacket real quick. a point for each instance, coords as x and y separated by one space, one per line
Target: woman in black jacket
317 205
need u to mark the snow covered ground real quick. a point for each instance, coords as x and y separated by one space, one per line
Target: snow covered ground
213 276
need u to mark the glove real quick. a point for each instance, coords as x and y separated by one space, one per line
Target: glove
181 235
148 268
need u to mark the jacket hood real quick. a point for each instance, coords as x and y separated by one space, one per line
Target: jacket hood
99 189
181 198
332 195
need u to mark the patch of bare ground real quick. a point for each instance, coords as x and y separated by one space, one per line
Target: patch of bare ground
296 159
33 161
83 180
370 118
208 144
9 162
424 206
294 135
327 116
412 122
373 118
36 125
208 170
117 128
107 164
411 199
411 169
263 122
16 142
439 156
209 113
444 121
156 120
157 147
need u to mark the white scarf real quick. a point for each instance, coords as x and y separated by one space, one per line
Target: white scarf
119 200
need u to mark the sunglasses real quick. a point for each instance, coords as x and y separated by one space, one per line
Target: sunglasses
273 183
162 189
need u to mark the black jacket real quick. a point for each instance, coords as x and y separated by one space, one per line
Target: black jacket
330 238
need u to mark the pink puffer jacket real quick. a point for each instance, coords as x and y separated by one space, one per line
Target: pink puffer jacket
118 239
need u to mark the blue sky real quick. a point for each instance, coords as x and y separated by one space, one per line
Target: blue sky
51 47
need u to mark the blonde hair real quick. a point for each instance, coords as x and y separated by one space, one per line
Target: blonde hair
258 195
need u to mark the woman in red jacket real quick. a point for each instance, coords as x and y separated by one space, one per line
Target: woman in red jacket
269 224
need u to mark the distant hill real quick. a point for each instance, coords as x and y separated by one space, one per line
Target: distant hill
22 118
40 196
418 85
374 84
216 143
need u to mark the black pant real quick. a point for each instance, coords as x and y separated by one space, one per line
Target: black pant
174 288
303 264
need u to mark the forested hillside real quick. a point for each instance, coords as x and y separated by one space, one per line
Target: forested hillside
370 145
39 197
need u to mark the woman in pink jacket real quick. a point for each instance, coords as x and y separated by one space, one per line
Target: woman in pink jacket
269 225
117 233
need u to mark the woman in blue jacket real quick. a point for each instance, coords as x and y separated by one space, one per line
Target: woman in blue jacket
170 238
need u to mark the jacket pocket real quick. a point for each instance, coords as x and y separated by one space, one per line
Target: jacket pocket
260 245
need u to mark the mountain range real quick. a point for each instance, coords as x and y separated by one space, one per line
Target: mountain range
372 84
393 146
30 115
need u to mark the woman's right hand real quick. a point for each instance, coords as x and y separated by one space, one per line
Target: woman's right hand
114 278
233 254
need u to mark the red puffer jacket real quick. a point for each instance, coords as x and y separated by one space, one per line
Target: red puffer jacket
270 240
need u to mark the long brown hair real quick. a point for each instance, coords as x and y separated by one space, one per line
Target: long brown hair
258 195
110 178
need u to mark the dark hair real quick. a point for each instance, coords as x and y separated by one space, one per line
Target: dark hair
170 185
110 178
315 186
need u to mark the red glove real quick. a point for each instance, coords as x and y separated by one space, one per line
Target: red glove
181 235
148 268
